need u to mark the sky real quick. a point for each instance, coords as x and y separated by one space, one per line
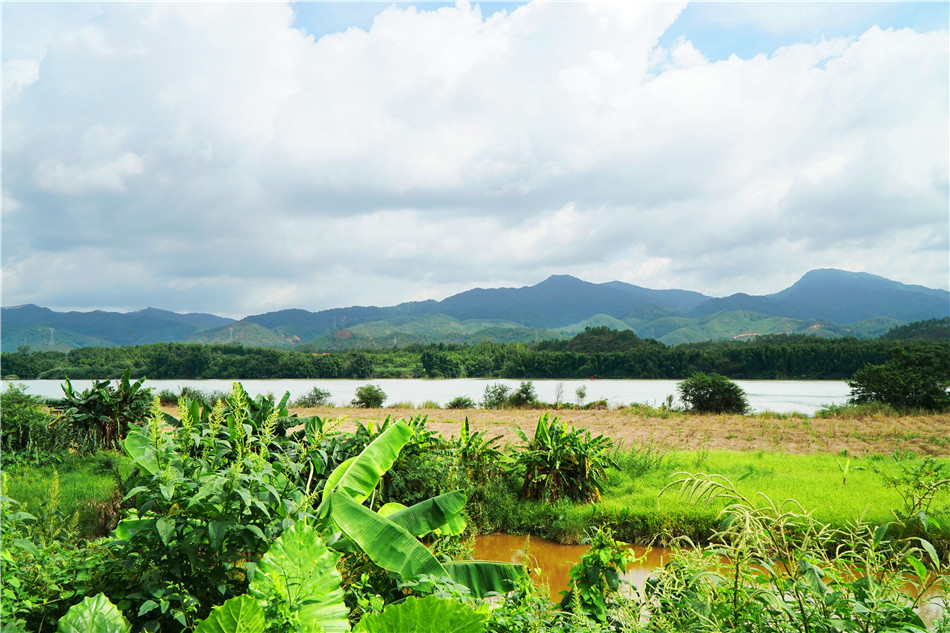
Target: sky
240 158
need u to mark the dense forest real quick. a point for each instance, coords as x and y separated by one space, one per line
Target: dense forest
596 352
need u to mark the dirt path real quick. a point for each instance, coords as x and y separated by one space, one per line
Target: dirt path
925 435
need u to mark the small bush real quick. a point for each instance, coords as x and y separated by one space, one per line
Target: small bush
27 426
316 397
167 397
496 396
859 411
369 397
460 402
524 397
712 393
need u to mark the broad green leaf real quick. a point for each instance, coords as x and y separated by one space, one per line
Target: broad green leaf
240 614
166 529
387 544
438 513
93 615
358 477
299 572
484 576
216 532
424 615
27 546
390 509
138 446
128 527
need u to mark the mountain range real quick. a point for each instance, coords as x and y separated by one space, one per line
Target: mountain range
825 302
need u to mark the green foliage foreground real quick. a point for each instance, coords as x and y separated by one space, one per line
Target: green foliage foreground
239 518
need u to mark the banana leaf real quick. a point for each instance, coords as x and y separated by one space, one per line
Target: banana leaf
240 614
387 544
393 548
359 475
484 576
442 513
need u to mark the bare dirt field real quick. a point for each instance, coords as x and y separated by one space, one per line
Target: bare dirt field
925 435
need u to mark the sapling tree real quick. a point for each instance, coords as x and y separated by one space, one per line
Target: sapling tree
712 393
369 397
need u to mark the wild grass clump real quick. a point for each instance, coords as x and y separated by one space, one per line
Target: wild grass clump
772 566
773 415
664 411
645 458
857 411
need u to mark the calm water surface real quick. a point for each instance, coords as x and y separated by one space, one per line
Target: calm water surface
780 396
555 560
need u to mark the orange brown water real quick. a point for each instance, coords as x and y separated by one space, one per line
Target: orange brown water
555 560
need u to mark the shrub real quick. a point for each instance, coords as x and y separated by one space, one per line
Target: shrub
26 427
369 397
210 495
496 396
595 580
712 393
316 397
167 397
422 469
524 396
460 402
904 382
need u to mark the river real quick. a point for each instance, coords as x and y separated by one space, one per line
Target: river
780 396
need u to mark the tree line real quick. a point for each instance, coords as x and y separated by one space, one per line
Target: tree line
596 352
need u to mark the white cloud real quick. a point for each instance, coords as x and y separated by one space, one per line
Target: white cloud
85 178
242 166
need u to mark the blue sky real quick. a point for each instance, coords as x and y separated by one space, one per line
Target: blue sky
238 158
746 29
718 29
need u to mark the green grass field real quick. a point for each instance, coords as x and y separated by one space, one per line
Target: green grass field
632 504
85 485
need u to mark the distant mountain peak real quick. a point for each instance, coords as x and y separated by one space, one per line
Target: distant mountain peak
848 300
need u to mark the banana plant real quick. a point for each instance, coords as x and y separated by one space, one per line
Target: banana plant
391 541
